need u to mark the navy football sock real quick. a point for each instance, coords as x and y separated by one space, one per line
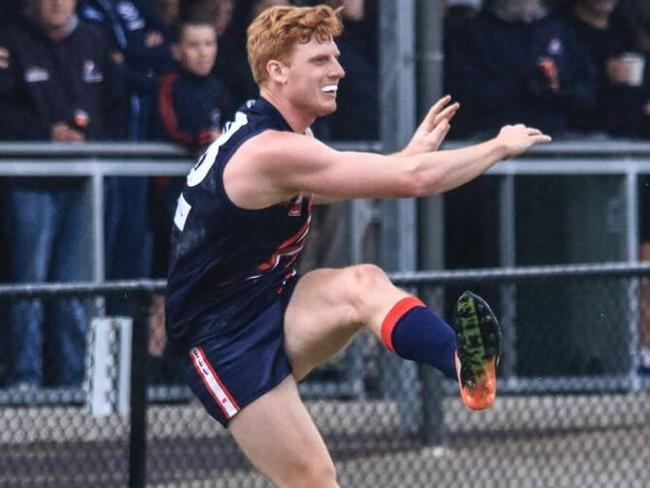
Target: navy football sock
415 332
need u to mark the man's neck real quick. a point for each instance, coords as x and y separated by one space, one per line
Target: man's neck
298 122
591 18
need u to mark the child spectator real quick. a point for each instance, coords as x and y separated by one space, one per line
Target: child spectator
192 103
192 106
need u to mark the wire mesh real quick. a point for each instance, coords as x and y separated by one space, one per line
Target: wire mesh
572 409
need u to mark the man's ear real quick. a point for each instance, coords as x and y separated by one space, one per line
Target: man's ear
277 71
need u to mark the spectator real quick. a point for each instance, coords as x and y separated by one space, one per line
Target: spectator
192 106
168 10
58 83
192 102
232 63
620 107
511 61
637 15
360 87
218 12
514 62
141 38
457 11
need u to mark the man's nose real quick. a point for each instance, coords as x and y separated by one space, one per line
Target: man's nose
339 72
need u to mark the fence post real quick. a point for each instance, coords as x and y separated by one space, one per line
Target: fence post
139 363
432 431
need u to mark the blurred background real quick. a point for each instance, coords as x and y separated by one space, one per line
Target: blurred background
105 105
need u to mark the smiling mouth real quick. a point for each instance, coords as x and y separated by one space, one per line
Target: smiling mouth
330 89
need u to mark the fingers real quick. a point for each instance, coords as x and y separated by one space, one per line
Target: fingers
530 131
537 135
447 113
438 106
541 139
441 128
430 120
438 134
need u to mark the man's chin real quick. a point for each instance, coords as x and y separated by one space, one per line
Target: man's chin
328 109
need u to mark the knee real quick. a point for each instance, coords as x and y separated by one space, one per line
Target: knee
366 281
366 277
316 473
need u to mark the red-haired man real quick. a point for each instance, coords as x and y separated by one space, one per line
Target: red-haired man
245 327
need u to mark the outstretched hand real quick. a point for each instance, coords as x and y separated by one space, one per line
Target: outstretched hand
433 129
518 138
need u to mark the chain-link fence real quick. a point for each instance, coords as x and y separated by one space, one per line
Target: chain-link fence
572 409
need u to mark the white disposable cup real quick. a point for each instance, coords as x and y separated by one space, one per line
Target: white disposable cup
635 67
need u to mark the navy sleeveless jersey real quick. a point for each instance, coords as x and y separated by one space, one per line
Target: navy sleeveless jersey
227 264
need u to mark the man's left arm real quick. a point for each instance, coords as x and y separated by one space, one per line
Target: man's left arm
428 137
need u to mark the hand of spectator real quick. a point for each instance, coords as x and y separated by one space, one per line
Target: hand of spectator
618 71
153 39
4 58
117 57
433 129
62 132
517 138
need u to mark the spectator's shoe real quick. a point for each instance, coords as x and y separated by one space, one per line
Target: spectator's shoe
479 347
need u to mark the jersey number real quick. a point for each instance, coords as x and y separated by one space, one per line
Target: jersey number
202 167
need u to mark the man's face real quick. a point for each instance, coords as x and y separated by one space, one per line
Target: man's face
54 14
196 50
313 75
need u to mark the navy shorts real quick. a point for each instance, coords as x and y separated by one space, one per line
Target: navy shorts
233 369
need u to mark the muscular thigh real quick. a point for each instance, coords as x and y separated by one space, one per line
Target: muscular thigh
328 307
278 435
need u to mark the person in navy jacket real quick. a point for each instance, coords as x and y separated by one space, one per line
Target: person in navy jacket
58 82
513 61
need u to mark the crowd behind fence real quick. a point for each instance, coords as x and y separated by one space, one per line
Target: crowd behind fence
404 427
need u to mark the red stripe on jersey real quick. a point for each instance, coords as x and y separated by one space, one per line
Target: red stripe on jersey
290 247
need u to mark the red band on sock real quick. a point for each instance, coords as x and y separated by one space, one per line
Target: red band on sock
396 313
